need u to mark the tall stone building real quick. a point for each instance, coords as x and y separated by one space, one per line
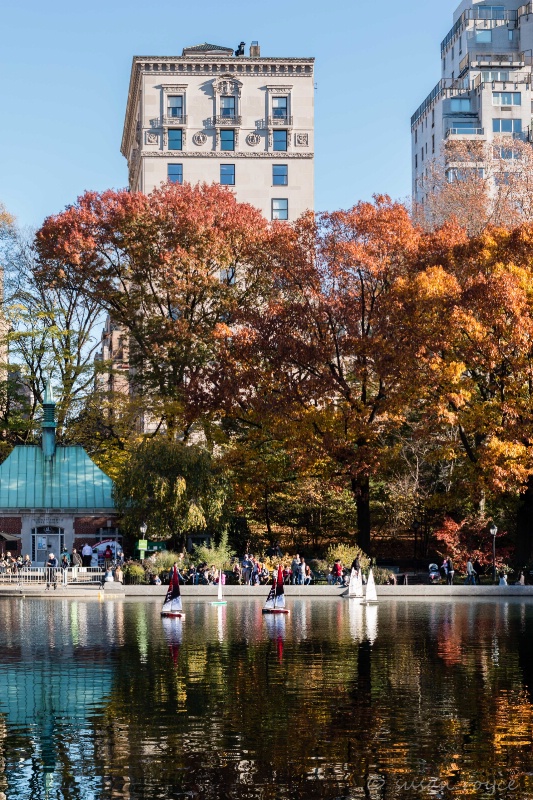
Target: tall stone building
213 115
218 116
485 88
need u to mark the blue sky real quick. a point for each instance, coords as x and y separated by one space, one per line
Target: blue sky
65 66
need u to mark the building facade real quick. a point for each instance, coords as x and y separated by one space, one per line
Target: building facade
53 497
218 116
485 88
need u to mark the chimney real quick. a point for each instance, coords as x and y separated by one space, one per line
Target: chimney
255 50
49 424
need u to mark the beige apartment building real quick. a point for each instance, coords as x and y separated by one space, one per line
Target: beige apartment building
485 86
220 116
216 115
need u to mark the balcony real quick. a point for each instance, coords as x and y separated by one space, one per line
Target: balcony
284 121
464 132
175 119
222 120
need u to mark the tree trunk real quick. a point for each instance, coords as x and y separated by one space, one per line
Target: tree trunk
524 526
267 518
361 491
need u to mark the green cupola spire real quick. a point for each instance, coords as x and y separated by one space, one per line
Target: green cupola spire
49 423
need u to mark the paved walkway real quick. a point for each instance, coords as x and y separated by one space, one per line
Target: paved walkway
115 590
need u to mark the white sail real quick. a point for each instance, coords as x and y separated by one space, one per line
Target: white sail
371 595
279 601
359 585
220 593
175 605
167 607
371 623
352 587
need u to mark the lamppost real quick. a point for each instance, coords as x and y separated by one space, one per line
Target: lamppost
493 531
142 542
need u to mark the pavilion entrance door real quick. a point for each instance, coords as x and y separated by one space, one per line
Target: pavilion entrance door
47 539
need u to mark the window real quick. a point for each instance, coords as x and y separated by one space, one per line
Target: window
458 104
175 173
507 126
506 98
175 139
280 140
495 75
175 106
280 175
491 12
416 135
416 160
483 36
279 107
422 155
227 106
280 209
511 35
433 143
227 174
453 52
433 118
507 153
227 140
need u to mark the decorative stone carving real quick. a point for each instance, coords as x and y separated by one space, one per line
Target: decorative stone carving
301 140
253 139
152 138
225 154
228 85
279 89
199 138
270 139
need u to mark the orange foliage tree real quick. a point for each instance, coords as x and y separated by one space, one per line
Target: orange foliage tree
319 355
170 268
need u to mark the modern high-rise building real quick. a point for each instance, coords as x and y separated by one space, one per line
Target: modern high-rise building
485 88
220 116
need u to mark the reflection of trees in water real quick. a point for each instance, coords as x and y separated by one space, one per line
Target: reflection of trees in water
442 693
334 713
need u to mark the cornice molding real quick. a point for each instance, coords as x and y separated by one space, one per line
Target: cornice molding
225 154
230 65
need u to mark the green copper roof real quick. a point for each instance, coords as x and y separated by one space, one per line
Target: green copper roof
69 480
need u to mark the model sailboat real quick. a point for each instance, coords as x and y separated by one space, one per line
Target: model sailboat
172 605
220 594
371 595
355 588
275 602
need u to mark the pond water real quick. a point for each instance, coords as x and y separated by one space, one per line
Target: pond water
406 699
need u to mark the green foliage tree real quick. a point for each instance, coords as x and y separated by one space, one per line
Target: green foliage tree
174 488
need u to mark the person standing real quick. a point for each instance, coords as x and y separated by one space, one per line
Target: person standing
470 573
295 567
75 558
51 571
246 569
356 565
86 555
449 571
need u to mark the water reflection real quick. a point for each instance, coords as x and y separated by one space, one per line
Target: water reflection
337 700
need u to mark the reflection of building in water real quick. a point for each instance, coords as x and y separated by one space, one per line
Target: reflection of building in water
50 690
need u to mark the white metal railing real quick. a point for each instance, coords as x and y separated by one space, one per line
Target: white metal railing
43 575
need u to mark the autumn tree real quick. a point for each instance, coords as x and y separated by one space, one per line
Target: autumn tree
317 356
471 311
170 268
480 183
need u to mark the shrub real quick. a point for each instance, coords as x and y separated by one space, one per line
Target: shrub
347 553
134 573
